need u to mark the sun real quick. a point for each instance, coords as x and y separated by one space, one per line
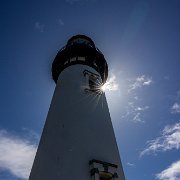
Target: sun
103 87
110 85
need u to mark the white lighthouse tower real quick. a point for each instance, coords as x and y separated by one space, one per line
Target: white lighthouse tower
78 141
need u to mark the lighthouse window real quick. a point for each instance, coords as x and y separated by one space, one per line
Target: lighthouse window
105 176
81 41
81 58
100 170
93 81
73 59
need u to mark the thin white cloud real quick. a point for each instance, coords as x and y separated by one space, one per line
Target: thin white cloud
39 26
137 117
135 112
136 98
16 154
171 173
139 82
129 164
147 83
169 139
175 108
141 108
61 22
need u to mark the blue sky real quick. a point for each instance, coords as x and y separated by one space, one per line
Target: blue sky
141 42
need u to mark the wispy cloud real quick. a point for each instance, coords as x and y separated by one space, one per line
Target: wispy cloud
39 26
16 154
175 108
139 82
138 112
169 139
61 22
135 112
137 117
171 173
141 108
129 164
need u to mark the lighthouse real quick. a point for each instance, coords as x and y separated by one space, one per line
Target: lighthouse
78 141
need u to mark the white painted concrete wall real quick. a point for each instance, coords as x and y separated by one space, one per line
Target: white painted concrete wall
78 129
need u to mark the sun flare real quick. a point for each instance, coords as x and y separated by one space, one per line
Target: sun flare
110 85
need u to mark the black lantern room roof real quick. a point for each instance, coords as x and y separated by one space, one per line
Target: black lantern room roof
80 49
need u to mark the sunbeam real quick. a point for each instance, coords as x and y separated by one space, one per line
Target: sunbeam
110 85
